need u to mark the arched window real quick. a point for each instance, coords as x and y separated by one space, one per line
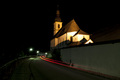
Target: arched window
58 25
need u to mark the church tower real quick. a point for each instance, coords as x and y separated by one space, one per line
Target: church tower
57 23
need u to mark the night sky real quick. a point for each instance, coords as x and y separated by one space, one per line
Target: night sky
30 24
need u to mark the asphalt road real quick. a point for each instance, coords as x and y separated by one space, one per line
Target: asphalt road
37 69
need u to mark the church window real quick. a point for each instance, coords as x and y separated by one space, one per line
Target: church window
58 25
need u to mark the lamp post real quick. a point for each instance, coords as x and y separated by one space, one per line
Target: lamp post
30 51
46 54
37 52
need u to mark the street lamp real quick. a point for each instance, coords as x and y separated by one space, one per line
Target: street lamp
37 52
46 54
31 49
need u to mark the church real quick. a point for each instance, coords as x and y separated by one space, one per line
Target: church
68 35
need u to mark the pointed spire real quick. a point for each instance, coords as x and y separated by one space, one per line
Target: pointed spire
57 7
58 15
58 12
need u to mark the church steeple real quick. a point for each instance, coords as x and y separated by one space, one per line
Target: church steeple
57 23
58 19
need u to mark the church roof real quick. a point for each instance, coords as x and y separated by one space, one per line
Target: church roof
70 27
81 32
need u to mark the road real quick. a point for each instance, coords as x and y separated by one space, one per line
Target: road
38 69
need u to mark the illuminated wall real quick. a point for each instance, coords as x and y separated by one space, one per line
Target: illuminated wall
62 41
70 34
57 27
53 42
62 38
79 37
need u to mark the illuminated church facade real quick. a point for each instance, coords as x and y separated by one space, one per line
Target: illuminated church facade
68 35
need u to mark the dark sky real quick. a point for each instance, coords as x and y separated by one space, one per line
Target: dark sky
30 24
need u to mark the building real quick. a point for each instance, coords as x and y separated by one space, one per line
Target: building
109 33
68 35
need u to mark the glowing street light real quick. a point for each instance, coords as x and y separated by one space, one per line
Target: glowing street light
46 53
37 52
31 49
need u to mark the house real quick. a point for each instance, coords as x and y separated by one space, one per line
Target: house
107 34
68 35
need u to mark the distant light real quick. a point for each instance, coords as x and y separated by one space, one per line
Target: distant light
31 49
38 51
31 58
46 53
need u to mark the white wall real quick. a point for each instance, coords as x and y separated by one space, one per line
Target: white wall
79 37
62 41
56 28
103 58
70 34
62 38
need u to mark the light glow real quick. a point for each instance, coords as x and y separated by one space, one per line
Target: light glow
46 53
38 51
89 41
31 49
31 58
